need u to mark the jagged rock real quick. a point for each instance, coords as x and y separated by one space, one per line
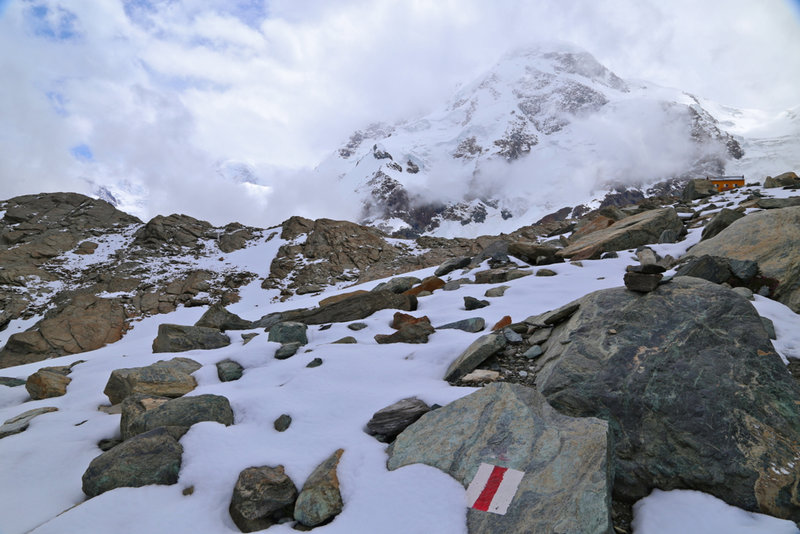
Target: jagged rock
721 220
473 324
408 333
698 188
235 237
778 203
166 378
150 458
630 232
534 254
262 497
289 332
20 423
430 284
500 275
229 370
46 383
282 423
388 422
182 412
287 350
474 355
86 323
782 180
180 338
567 471
320 499
218 317
770 238
451 265
471 303
692 388
173 231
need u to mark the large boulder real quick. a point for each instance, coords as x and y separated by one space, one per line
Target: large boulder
690 384
150 458
180 338
567 472
630 232
86 323
182 412
719 222
166 378
771 239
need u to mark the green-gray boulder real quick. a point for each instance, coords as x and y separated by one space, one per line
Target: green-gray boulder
261 497
691 386
320 500
180 338
182 412
566 486
288 332
150 458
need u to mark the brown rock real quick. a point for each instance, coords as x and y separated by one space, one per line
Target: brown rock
338 298
400 319
432 283
502 323
46 383
170 378
262 496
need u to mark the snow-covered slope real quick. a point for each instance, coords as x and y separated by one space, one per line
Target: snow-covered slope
546 127
42 467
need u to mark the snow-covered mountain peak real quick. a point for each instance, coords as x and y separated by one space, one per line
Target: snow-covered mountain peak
548 126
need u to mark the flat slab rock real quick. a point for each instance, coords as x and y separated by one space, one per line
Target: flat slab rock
20 423
566 486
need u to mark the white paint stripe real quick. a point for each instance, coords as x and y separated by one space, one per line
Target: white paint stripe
506 491
478 483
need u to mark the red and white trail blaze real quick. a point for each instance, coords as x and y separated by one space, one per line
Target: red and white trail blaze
493 488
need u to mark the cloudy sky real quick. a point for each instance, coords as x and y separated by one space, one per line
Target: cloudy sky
159 94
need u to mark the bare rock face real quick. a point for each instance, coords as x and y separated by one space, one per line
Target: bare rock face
352 253
565 463
86 323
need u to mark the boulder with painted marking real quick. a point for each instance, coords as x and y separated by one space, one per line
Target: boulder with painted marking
566 468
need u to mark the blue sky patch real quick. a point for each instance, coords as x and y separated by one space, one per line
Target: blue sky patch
82 152
56 23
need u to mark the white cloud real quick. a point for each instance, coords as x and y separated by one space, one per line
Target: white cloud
163 91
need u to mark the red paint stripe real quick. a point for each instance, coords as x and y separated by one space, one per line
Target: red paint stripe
486 496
